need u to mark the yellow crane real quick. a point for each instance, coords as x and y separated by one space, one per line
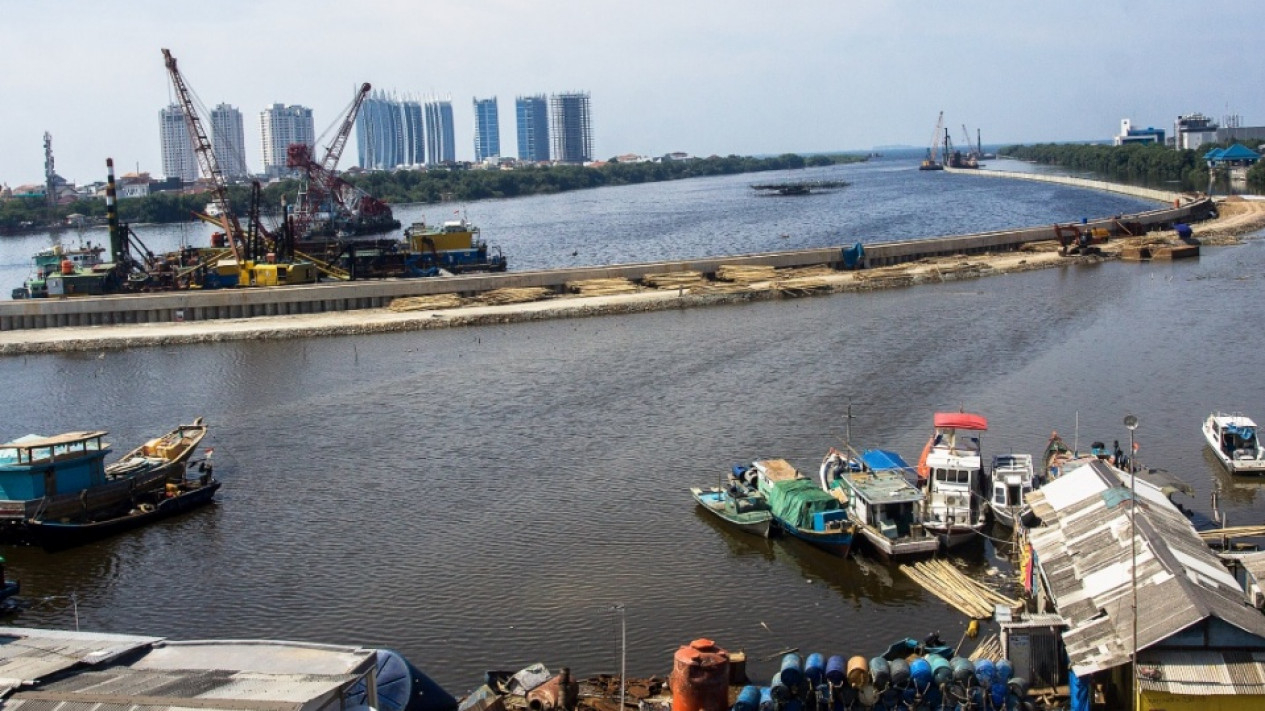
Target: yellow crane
932 161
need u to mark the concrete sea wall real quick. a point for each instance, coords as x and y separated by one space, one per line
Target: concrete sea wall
182 306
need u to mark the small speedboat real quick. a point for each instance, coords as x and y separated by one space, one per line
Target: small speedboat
1234 439
1011 480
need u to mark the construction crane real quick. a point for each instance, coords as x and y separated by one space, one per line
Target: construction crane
932 161
206 159
325 191
970 146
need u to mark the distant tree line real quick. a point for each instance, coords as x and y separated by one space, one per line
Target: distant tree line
1146 164
455 183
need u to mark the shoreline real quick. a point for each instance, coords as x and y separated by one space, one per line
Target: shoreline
1234 219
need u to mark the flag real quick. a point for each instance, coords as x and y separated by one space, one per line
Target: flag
210 451
1135 447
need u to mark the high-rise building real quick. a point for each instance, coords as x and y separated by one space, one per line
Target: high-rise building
571 127
440 143
487 130
532 117
414 143
228 141
279 126
179 160
380 132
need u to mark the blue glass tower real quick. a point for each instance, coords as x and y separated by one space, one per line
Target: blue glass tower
440 143
487 130
532 115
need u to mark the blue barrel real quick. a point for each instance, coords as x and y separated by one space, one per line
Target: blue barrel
780 690
920 672
792 673
1004 670
1000 692
932 698
963 670
766 699
815 668
836 669
985 670
748 699
900 672
823 697
880 673
941 673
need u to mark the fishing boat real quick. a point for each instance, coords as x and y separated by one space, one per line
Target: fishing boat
1054 461
801 508
60 263
65 478
881 502
1012 478
742 508
143 508
1233 438
951 472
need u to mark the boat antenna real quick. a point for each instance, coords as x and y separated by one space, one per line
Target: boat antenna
1076 435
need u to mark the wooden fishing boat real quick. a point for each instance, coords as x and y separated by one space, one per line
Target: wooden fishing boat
1234 439
886 508
801 508
65 478
746 511
951 471
146 508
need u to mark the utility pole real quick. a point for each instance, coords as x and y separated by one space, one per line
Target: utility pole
1131 422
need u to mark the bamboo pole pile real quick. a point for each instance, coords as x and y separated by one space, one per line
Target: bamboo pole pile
802 285
602 287
971 597
745 274
990 649
797 272
425 303
674 280
1217 534
513 295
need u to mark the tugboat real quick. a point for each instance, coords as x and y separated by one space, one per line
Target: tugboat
62 262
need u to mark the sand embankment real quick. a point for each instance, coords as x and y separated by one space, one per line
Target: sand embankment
1236 217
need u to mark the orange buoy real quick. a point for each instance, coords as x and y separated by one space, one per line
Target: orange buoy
67 266
700 677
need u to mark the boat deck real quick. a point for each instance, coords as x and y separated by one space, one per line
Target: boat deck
778 470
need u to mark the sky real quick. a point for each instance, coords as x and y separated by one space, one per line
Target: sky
699 76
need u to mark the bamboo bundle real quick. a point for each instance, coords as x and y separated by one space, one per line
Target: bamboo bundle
425 303
990 649
513 295
1217 534
601 287
946 582
745 272
674 280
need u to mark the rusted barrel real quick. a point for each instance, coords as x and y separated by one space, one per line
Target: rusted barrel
700 677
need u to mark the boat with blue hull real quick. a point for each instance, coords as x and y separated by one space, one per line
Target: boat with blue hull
802 509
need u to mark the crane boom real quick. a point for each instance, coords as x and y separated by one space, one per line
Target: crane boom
967 135
336 146
935 139
206 156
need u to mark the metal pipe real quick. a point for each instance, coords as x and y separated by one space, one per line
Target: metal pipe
112 214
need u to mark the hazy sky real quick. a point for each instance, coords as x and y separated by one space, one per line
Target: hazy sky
700 76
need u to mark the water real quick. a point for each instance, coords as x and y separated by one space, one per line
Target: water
889 199
482 498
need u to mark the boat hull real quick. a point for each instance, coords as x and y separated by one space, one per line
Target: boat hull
56 535
901 548
720 504
833 542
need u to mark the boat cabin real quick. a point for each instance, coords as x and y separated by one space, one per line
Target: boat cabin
1012 480
33 467
882 495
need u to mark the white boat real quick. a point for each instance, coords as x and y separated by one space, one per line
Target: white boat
1011 480
886 508
1233 438
952 473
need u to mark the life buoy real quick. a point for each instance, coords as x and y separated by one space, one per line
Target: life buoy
145 508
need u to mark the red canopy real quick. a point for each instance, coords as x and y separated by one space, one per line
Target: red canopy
961 421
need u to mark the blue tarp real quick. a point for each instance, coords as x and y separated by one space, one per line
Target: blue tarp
883 459
1079 689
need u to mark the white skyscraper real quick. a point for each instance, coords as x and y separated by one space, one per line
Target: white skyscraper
179 160
279 126
229 141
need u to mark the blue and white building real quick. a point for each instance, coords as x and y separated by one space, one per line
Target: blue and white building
487 130
532 117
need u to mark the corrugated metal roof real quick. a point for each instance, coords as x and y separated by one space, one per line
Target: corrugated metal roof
1202 672
1086 551
125 673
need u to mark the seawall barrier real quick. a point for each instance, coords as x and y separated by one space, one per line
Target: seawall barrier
370 294
1165 196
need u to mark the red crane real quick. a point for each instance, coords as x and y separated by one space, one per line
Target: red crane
325 190
206 158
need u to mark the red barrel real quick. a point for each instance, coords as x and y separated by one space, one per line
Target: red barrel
700 677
